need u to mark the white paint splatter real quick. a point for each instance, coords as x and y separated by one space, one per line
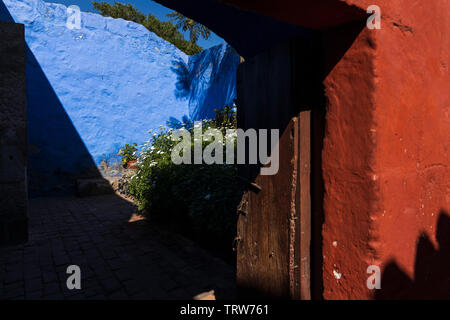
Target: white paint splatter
337 275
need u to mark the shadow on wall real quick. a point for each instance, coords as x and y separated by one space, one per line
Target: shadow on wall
431 271
212 65
55 172
183 84
208 80
66 158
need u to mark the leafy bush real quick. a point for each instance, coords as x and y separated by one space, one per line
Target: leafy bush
128 153
163 29
197 200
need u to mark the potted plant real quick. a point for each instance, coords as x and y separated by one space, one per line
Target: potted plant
128 154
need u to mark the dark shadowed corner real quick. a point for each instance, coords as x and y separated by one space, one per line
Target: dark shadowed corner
57 156
431 269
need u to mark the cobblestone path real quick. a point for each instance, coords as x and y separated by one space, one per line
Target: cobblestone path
120 256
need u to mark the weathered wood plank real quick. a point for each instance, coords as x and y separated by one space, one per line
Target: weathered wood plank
304 203
274 92
268 233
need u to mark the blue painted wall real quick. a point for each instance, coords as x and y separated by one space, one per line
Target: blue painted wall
211 80
92 90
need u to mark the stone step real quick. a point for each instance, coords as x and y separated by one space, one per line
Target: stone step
93 187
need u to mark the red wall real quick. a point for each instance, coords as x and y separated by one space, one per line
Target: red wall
348 164
385 157
411 159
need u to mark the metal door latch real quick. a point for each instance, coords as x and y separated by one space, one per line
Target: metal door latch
251 184
236 241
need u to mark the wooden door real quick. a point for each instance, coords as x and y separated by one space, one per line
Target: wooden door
274 228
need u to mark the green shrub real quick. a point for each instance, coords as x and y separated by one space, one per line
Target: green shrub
198 200
163 29
128 153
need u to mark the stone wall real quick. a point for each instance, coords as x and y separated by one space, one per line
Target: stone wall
13 137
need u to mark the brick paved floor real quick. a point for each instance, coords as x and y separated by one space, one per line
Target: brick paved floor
119 259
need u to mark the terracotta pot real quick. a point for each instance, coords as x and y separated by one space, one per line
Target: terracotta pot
132 164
